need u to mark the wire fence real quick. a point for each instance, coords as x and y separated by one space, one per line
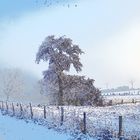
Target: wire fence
96 122
116 101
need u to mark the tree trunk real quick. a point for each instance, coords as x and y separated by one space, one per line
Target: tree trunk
60 92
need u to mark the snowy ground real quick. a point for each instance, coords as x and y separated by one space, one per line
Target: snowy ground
15 129
99 120
126 92
117 99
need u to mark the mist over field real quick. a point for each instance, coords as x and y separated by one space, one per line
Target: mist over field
21 85
109 37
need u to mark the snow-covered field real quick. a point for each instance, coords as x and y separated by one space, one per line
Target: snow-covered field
118 99
126 92
99 120
15 129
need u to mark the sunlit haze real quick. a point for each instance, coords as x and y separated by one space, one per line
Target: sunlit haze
107 31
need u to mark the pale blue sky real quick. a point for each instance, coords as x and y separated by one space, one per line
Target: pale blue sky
108 31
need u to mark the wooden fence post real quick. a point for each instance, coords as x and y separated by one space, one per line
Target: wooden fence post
21 110
120 128
2 106
31 111
110 102
44 112
84 122
133 101
6 107
13 109
62 115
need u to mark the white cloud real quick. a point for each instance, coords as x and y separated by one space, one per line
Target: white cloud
115 60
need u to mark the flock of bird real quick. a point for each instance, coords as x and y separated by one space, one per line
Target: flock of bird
49 3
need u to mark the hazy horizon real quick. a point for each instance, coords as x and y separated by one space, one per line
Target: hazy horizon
107 31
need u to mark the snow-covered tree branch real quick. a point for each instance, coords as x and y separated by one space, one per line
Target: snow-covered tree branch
61 54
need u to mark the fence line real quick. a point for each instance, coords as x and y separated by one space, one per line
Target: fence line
31 112
122 101
121 93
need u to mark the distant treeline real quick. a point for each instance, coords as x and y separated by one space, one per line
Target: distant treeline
119 89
